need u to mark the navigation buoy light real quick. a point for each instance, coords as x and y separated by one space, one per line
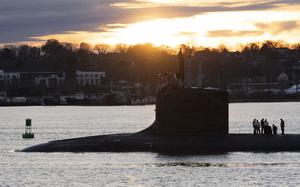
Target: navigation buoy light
28 129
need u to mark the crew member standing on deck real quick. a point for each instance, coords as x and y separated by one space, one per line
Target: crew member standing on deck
266 126
282 126
262 121
254 126
274 127
257 126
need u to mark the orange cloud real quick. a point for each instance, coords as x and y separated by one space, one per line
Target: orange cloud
231 33
278 27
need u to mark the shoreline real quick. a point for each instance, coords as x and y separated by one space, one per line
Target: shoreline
230 101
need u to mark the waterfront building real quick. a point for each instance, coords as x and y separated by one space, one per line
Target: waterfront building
283 78
199 74
94 78
1 76
47 79
188 72
51 79
9 77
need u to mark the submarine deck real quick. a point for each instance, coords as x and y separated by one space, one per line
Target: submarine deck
140 142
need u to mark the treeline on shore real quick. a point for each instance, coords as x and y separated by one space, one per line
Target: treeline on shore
142 62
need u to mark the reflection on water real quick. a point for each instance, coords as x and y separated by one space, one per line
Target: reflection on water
137 169
189 164
223 165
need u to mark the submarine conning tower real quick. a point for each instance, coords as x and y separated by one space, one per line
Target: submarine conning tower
190 111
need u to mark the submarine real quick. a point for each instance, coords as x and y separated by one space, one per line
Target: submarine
187 120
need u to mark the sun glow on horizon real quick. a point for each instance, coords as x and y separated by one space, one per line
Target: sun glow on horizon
210 29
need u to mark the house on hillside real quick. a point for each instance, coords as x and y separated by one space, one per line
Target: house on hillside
94 78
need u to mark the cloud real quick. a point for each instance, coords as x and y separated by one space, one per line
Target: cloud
21 20
186 34
231 33
223 4
278 27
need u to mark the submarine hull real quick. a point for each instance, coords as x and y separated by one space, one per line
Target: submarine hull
187 120
192 144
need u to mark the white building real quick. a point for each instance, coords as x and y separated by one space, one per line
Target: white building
49 79
1 75
9 77
89 77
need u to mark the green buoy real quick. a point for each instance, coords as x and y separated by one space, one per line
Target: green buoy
28 129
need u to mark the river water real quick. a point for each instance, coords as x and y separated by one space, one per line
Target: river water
138 169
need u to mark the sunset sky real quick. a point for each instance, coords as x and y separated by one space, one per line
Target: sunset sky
161 22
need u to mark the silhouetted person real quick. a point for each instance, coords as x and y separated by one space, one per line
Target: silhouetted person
274 127
262 123
257 125
282 126
254 126
268 130
266 126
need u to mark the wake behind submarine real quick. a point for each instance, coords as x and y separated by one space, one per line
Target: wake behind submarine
187 120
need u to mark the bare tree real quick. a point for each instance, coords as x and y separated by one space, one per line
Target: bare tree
121 48
101 48
85 47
